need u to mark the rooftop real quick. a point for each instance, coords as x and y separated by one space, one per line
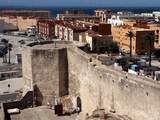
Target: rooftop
73 25
40 113
50 45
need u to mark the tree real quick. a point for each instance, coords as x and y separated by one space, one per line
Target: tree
130 35
150 38
114 48
5 42
8 47
9 51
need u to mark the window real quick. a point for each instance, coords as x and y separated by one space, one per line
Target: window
157 31
157 36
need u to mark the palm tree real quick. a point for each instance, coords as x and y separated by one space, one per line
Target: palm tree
8 46
5 42
9 51
150 38
130 35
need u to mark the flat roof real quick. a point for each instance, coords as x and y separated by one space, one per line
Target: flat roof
56 44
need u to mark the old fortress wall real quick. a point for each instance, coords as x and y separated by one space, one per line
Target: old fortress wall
62 71
104 87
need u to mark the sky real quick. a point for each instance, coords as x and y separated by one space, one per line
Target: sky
73 3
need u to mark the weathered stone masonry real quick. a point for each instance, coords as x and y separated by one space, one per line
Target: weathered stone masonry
97 85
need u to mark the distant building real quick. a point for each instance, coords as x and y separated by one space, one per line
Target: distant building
140 42
22 23
7 27
103 14
141 24
46 28
132 16
97 42
115 21
69 31
147 14
26 13
74 12
75 17
97 39
156 28
146 25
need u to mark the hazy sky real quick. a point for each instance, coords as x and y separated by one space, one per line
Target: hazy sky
80 3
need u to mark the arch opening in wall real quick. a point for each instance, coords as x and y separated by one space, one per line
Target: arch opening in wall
79 105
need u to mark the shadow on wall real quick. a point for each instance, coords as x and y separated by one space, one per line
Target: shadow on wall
27 100
63 73
38 97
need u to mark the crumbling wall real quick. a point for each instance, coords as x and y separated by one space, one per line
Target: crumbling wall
115 91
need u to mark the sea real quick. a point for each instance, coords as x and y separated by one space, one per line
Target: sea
87 10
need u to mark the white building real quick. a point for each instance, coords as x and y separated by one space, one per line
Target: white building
147 14
115 21
156 14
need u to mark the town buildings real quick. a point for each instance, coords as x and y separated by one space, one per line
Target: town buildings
140 42
97 37
156 28
103 14
46 28
115 21
74 15
69 31
22 23
97 42
83 17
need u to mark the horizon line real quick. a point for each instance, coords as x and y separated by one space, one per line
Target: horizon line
36 6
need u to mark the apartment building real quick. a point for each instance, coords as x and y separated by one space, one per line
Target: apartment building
103 14
96 41
75 17
140 41
156 28
146 25
69 31
46 28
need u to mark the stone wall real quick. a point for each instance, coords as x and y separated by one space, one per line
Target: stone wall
71 71
46 70
104 87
